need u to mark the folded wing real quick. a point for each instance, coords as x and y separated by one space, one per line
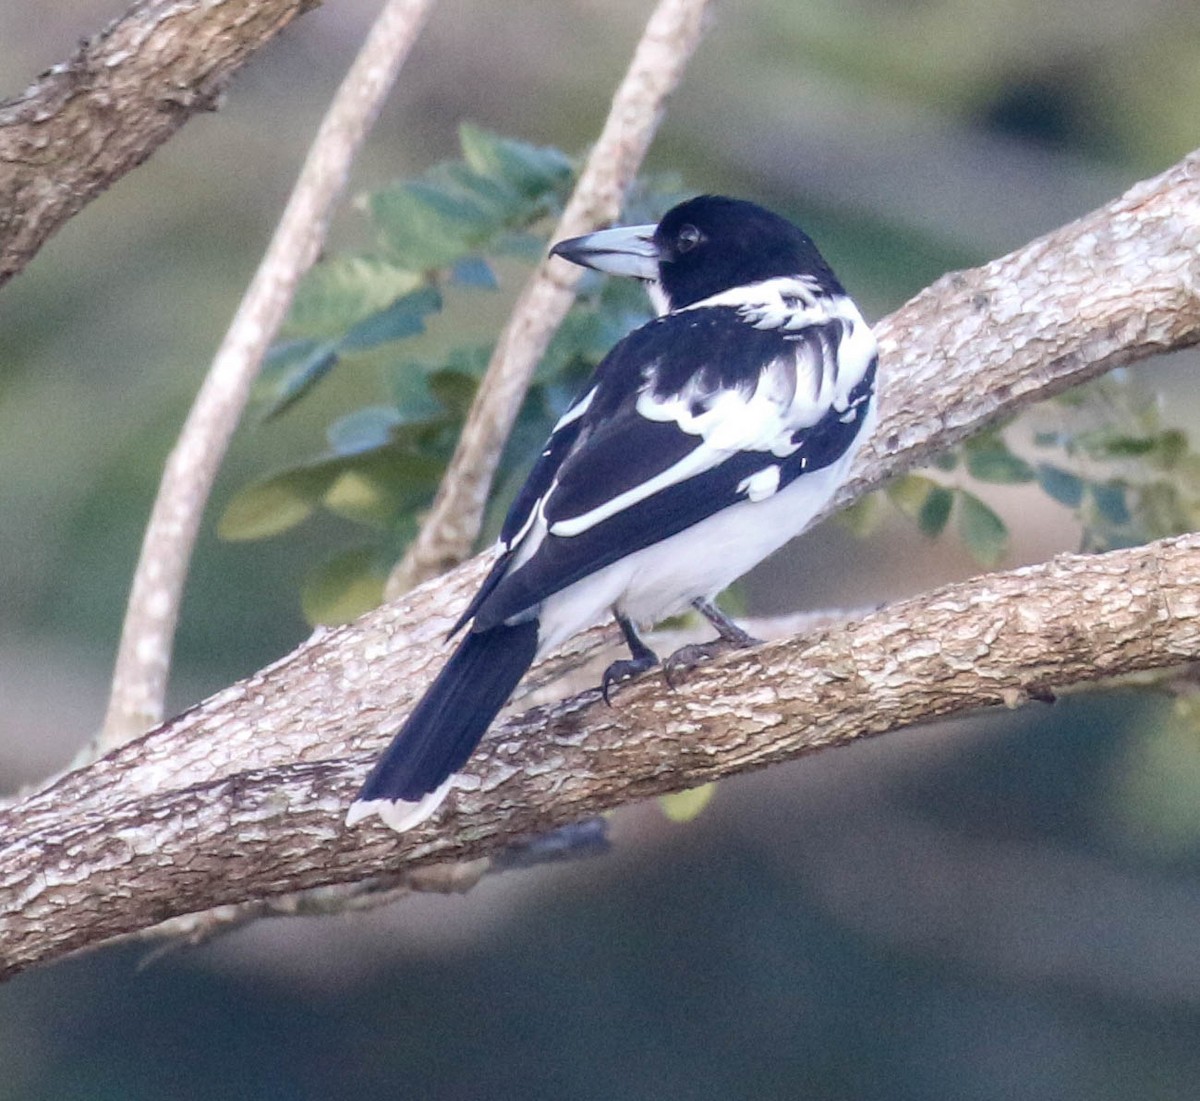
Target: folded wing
687 416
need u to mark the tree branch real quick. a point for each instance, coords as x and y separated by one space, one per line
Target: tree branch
452 526
79 866
89 120
243 796
148 633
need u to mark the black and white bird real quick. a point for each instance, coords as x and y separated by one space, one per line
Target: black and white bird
705 440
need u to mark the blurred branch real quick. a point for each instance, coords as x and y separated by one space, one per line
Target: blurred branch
89 120
573 841
449 532
243 796
144 657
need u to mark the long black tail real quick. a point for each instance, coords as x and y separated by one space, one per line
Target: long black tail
447 723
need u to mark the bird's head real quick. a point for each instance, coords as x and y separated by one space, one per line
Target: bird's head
702 247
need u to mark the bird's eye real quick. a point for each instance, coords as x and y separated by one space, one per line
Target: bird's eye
687 238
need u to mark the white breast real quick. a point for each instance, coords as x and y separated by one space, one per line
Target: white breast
664 578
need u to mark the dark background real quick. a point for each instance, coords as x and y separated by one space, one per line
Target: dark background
1001 909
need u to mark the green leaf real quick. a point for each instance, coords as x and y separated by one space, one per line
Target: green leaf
1123 447
861 518
1063 486
989 460
287 378
424 228
909 493
981 529
935 511
339 292
1172 448
532 170
402 318
474 271
357 496
343 588
683 806
363 430
1109 498
273 505
922 500
945 460
454 389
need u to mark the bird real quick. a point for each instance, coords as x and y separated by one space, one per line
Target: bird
705 440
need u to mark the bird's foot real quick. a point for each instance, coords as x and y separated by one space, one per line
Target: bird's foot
623 670
688 657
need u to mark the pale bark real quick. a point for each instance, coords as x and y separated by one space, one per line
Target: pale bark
243 796
86 122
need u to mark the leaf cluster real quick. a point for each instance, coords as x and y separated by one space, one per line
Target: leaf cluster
439 240
1102 450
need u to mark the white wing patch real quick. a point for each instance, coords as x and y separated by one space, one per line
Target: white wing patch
761 484
574 413
695 462
791 393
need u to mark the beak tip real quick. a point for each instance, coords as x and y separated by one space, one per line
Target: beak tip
563 249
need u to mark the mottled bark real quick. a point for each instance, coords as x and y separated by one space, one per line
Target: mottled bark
86 122
83 860
243 796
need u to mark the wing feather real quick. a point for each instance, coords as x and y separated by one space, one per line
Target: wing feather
683 415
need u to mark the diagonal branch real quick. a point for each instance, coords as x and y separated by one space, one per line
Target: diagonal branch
449 532
88 121
243 796
72 875
148 633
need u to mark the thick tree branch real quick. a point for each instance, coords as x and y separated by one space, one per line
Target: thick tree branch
78 866
88 121
452 526
243 796
147 636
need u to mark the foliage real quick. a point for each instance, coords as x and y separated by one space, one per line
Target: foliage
438 240
1102 450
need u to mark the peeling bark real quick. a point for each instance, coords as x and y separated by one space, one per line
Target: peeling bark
141 836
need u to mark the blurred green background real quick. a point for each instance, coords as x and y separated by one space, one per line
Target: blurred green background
1002 909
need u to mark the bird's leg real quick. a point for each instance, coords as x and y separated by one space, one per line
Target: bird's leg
726 628
643 658
729 637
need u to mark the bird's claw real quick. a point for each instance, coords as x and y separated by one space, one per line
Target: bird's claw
688 657
623 670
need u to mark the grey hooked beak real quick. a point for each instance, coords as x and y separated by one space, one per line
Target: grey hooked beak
625 250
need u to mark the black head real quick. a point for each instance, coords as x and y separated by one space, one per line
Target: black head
701 247
711 243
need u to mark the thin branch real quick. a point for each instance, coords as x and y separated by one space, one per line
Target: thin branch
144 657
243 796
89 120
449 532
